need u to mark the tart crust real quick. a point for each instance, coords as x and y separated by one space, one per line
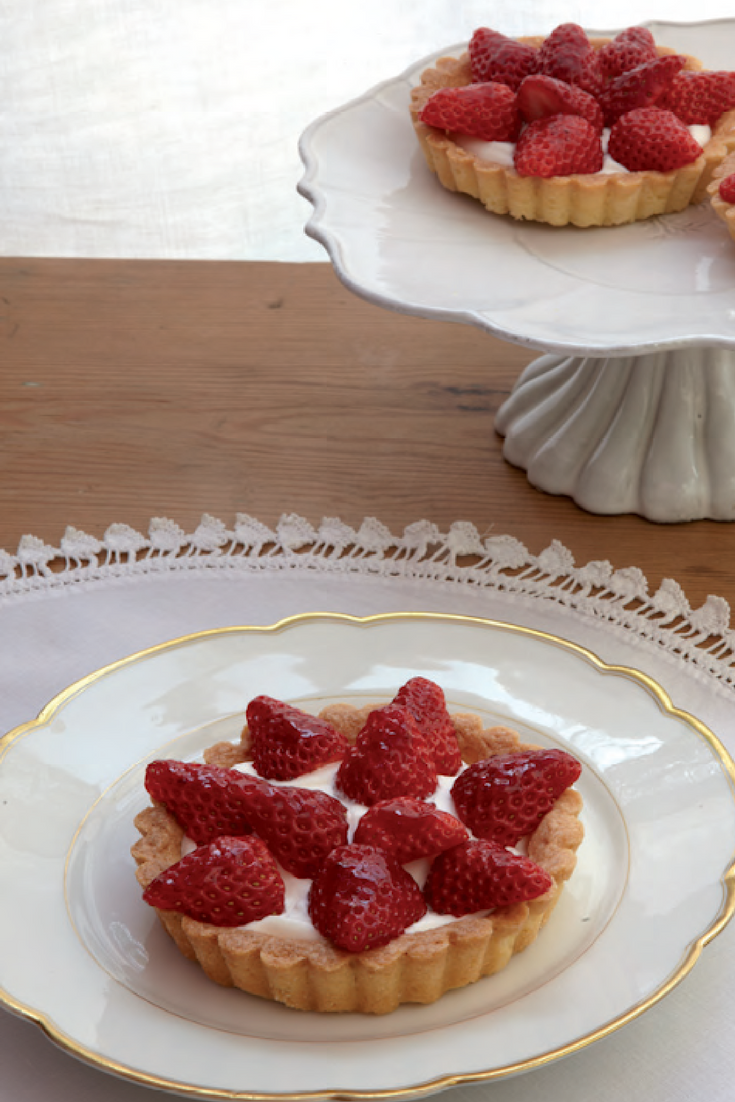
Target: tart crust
414 968
598 199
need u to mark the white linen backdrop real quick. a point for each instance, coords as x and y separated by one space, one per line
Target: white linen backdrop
169 128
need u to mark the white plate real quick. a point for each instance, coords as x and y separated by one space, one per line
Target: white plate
84 957
396 236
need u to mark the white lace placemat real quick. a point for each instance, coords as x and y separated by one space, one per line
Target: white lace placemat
95 598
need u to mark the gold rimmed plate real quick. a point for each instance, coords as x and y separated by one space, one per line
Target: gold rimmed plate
83 956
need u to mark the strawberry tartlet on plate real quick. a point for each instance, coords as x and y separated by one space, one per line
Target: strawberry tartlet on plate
572 130
722 193
362 858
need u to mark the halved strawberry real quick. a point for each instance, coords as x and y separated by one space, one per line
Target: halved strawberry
652 139
565 53
540 96
390 758
591 77
409 829
301 826
700 97
287 742
494 56
560 145
505 797
229 882
632 47
426 702
639 87
480 875
362 898
487 111
207 801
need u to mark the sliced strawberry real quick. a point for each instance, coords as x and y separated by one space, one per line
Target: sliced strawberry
409 829
639 87
301 826
727 189
565 53
560 145
651 139
206 800
540 96
390 758
700 98
362 898
426 702
495 57
632 47
480 875
504 798
229 882
287 742
487 111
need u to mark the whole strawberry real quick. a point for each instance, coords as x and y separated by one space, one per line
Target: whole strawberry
651 139
700 98
632 47
495 57
301 826
560 145
488 111
426 702
390 758
229 882
727 189
206 800
409 829
362 898
565 53
540 96
504 798
287 742
640 87
480 875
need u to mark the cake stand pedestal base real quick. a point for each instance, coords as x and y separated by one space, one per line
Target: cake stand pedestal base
651 434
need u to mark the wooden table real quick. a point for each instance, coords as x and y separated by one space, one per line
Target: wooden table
134 389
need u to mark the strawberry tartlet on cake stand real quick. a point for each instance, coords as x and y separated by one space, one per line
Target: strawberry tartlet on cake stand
630 408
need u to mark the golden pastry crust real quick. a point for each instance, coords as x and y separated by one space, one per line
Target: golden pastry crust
723 210
597 199
414 968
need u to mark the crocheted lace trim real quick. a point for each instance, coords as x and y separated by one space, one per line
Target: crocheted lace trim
460 556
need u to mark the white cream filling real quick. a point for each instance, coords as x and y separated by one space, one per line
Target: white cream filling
502 153
294 922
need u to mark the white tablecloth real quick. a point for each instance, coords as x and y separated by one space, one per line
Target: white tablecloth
121 591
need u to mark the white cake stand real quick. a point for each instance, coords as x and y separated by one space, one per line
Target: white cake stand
632 407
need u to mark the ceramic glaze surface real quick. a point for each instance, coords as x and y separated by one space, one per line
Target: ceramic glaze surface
622 434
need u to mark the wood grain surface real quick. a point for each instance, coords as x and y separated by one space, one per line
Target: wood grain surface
134 389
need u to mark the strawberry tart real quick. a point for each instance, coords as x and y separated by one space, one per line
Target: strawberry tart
361 858
722 193
575 130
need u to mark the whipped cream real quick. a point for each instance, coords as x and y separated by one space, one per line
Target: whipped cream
294 922
502 153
